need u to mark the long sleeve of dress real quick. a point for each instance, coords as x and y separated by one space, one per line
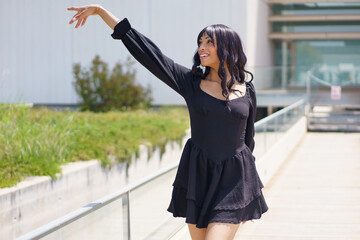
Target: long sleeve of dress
250 127
149 55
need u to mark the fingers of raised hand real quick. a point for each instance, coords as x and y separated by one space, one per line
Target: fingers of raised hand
74 18
78 15
84 20
79 22
73 8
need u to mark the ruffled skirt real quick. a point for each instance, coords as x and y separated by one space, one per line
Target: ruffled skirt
207 190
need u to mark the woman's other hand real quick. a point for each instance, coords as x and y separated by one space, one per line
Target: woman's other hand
246 221
83 13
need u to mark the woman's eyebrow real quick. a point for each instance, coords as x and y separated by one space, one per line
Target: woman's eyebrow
204 37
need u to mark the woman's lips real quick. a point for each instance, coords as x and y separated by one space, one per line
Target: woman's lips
203 56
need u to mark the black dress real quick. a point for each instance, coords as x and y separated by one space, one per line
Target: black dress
216 180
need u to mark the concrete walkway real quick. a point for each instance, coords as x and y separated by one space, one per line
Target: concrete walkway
314 195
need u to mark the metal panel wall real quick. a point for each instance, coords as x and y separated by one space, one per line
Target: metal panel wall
38 47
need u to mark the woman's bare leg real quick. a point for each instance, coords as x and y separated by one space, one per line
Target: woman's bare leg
223 231
197 233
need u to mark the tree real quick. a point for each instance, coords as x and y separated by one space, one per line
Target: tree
101 91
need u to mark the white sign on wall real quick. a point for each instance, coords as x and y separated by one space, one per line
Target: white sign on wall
335 92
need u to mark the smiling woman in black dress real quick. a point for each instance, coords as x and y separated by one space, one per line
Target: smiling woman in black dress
217 186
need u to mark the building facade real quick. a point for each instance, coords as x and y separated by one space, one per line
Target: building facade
323 36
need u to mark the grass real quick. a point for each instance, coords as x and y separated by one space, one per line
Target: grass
36 142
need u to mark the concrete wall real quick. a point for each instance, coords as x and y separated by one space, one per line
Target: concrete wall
38 47
39 200
270 162
259 46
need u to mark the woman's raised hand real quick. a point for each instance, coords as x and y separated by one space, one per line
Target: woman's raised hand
83 13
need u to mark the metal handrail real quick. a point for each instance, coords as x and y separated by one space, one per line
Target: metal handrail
320 81
280 112
263 124
309 77
85 210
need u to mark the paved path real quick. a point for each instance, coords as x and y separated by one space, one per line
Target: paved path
314 195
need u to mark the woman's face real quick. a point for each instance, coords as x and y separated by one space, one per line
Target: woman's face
208 52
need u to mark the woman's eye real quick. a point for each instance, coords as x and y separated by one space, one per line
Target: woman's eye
207 42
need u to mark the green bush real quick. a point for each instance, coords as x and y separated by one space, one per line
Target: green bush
101 91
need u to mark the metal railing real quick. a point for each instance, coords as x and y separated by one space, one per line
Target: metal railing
314 86
268 131
123 195
309 95
329 105
271 128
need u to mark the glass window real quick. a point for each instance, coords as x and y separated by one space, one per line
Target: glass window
335 61
327 52
316 8
324 26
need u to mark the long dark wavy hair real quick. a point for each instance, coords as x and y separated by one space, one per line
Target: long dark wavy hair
230 52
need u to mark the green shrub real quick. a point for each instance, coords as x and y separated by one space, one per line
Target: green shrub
101 91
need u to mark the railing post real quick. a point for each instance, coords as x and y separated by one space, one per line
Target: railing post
265 131
126 216
276 129
284 65
308 92
308 75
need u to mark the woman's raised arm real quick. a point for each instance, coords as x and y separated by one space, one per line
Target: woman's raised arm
141 48
84 12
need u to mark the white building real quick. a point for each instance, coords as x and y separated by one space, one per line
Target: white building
38 47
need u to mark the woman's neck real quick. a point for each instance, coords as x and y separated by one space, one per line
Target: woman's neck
214 76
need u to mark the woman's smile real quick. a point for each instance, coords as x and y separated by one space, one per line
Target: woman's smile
203 56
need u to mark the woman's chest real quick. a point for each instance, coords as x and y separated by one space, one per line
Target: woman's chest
205 105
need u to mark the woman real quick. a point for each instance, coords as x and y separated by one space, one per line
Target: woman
217 186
